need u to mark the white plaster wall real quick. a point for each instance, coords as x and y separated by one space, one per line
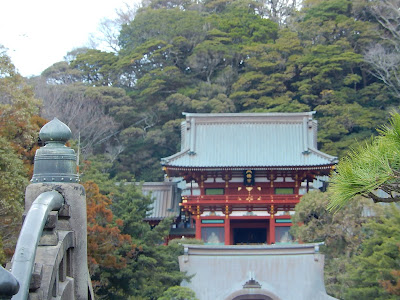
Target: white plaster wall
286 277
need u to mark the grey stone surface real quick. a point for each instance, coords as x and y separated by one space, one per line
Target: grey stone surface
49 238
37 275
38 295
52 219
65 211
67 289
73 219
53 258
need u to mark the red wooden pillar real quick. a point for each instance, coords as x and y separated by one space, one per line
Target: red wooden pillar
198 228
227 229
272 230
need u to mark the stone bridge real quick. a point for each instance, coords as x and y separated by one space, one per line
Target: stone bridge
50 260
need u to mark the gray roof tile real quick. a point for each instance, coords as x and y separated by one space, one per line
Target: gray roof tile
249 140
166 199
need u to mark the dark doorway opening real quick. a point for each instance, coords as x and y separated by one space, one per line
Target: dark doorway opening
246 236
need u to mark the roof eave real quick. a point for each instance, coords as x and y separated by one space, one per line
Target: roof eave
239 168
168 159
330 158
240 115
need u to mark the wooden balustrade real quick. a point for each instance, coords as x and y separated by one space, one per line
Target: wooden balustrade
238 199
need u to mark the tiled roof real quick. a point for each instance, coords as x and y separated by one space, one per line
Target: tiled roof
249 140
166 199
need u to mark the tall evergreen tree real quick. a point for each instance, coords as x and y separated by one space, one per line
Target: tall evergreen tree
373 271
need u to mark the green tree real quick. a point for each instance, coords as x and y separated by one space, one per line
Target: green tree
341 233
162 24
371 167
378 261
212 54
128 257
108 248
60 73
96 67
13 180
178 293
327 67
132 207
343 123
270 69
331 76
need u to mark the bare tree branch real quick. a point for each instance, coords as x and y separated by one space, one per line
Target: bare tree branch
386 64
387 13
109 29
383 200
278 10
385 57
84 115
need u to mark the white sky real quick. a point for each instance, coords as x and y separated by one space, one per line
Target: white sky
39 33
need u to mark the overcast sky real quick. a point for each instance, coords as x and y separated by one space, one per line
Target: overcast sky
39 33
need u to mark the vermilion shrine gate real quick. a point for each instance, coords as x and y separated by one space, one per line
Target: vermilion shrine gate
245 173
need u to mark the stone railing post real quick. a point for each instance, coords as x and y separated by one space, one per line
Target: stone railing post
55 168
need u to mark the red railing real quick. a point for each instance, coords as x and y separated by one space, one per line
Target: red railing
237 199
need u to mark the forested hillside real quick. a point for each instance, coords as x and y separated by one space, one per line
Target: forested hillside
220 56
124 106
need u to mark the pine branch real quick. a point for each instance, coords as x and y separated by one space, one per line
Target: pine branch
377 199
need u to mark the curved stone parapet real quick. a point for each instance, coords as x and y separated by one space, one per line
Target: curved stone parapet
28 240
71 218
55 270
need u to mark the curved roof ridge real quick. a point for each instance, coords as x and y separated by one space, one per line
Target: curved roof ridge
207 115
174 156
323 154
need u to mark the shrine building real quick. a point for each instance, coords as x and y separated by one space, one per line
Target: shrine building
245 172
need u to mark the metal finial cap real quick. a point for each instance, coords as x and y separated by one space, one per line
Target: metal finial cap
55 130
55 162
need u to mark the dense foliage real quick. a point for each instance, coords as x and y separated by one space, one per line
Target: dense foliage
362 254
340 232
178 293
127 258
374 272
19 128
